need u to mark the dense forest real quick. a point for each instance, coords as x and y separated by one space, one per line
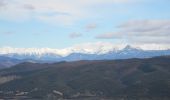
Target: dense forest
130 79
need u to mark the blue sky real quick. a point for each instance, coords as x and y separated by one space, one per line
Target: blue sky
61 24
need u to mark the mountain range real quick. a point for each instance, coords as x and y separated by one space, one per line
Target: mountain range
74 55
117 74
10 57
129 79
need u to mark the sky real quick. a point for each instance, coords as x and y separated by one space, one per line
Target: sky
66 23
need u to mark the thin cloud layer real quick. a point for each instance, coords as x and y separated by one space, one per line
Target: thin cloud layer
7 33
74 9
2 3
142 31
91 26
90 17
29 7
106 36
75 35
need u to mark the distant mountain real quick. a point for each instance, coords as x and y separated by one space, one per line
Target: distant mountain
130 79
74 55
33 56
125 53
6 62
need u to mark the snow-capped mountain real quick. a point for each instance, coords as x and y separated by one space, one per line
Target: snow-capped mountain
78 53
40 52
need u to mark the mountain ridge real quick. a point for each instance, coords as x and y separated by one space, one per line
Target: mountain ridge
124 53
130 79
67 51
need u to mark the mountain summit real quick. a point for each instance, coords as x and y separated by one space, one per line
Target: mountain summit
78 53
129 48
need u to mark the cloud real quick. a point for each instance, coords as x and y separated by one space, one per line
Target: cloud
106 36
149 27
91 26
2 3
74 10
142 31
29 7
75 35
8 33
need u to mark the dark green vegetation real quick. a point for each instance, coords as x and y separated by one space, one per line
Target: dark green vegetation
131 79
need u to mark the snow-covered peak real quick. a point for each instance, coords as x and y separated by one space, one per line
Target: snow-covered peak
131 48
83 48
87 48
128 47
31 51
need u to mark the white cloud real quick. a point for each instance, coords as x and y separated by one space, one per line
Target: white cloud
142 32
74 9
2 3
110 35
75 35
91 26
8 32
29 7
